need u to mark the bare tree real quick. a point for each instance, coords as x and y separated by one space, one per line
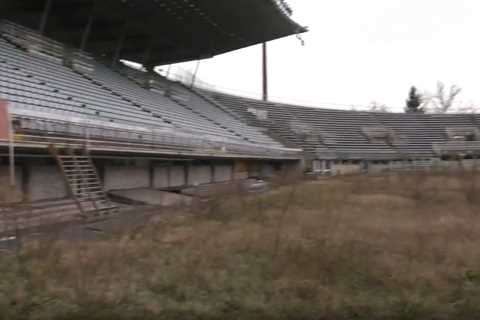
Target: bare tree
443 100
469 107
378 107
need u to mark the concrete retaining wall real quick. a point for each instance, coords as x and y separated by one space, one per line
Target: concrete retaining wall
201 174
177 176
266 170
222 173
347 168
45 182
379 167
240 170
161 177
123 177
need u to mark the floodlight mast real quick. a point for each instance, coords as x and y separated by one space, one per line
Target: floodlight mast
264 72
44 19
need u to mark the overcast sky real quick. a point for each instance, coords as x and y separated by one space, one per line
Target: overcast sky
357 52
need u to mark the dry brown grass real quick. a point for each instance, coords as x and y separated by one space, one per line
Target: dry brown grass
383 247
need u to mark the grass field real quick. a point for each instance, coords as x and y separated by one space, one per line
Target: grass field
383 247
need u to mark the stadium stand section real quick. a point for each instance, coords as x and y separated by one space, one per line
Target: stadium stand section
87 124
352 136
107 96
90 126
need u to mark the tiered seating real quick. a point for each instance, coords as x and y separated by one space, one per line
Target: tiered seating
356 135
315 130
277 120
39 84
342 131
413 136
158 105
206 109
48 96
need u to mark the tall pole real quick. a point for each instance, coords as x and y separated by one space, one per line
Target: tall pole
194 76
264 72
86 32
11 152
46 12
118 49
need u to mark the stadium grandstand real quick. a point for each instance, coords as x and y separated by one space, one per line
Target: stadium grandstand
76 124
354 141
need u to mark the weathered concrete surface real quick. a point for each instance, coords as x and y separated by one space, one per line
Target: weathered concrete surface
266 170
152 197
198 175
222 173
124 178
161 177
347 169
177 176
215 189
9 194
240 170
46 182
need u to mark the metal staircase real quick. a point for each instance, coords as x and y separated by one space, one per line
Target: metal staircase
83 182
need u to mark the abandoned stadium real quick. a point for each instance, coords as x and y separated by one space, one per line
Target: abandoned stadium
80 125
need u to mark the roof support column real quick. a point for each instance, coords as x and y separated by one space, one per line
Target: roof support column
264 72
46 13
118 49
86 32
148 65
194 76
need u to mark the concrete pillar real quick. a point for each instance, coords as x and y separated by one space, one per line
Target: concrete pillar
240 170
9 194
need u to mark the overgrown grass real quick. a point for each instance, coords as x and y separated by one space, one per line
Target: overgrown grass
384 247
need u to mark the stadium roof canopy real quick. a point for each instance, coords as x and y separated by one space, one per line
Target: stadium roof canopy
156 32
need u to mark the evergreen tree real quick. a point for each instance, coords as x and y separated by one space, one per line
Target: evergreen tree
414 102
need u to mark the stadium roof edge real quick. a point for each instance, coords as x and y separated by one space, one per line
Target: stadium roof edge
156 32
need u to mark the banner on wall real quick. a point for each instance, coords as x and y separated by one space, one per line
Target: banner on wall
4 120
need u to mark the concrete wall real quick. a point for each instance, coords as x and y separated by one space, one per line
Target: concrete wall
9 194
378 167
126 177
346 168
45 182
199 174
266 170
240 170
222 173
177 176
161 177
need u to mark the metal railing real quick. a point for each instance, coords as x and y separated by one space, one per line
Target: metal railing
33 42
97 134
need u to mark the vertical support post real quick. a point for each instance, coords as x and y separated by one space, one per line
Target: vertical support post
11 152
44 20
86 32
7 135
168 71
264 72
194 77
118 49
